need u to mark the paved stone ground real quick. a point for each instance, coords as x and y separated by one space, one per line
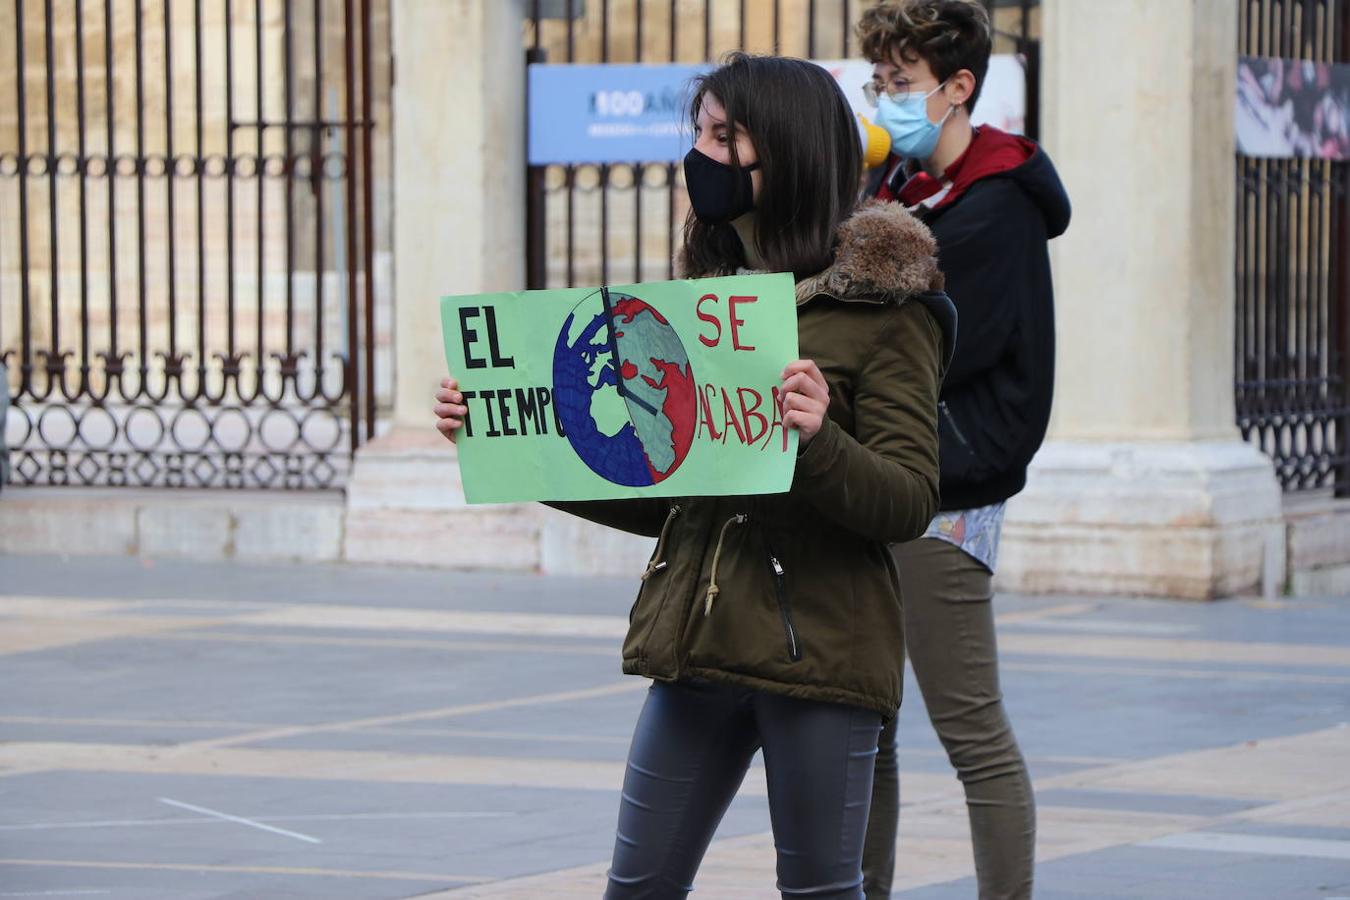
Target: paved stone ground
184 731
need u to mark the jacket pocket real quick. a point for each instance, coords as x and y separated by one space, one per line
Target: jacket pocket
651 598
657 562
954 428
957 455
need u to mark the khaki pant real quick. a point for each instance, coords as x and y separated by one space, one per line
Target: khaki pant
949 634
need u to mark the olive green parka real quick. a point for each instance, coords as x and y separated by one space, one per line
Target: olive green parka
797 593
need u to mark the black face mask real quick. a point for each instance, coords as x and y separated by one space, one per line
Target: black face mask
718 192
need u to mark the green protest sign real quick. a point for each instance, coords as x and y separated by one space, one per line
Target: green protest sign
664 389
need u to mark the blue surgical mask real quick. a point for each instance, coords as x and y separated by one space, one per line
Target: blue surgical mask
906 121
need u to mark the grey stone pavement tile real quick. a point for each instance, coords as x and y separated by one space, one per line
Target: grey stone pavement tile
192 730
1175 875
1272 829
357 585
258 682
1136 801
1242 619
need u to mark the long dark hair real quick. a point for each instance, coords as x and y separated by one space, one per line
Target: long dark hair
810 158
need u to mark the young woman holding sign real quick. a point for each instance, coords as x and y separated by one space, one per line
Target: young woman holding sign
771 622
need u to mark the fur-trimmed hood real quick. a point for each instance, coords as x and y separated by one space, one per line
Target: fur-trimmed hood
884 253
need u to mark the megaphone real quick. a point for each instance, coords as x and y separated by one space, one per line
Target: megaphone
876 142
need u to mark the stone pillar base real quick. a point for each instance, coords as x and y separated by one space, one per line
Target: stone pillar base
405 505
1319 544
1193 521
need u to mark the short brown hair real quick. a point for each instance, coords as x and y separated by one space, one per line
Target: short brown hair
949 35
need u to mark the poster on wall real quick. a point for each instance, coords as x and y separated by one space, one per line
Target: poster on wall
1292 109
627 113
663 389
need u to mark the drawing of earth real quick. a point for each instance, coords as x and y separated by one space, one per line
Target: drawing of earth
624 390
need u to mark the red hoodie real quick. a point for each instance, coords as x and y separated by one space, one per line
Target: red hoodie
991 152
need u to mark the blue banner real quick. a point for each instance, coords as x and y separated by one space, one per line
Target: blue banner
627 113
609 113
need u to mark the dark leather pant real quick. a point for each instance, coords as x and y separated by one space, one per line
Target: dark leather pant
690 752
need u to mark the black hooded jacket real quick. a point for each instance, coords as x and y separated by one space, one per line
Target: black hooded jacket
993 249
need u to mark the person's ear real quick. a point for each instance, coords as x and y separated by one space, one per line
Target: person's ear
960 87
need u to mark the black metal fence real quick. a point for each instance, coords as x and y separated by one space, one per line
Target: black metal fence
604 223
186 240
1293 281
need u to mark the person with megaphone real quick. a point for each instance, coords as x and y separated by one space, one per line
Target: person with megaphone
993 201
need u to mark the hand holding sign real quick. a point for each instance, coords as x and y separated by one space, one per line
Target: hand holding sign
450 409
627 391
806 397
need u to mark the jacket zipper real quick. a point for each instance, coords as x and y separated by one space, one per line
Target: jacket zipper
785 609
956 429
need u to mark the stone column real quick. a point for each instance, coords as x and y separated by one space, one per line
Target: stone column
459 228
458 222
1144 486
459 174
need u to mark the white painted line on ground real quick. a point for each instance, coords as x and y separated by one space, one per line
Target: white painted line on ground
506 735
125 723
1197 651
104 823
199 868
69 893
1046 612
240 820
1254 844
364 618
346 817
619 687
60 607
1171 672
215 820
608 648
1103 626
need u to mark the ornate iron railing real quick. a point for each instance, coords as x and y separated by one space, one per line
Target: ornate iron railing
1293 297
186 274
598 223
